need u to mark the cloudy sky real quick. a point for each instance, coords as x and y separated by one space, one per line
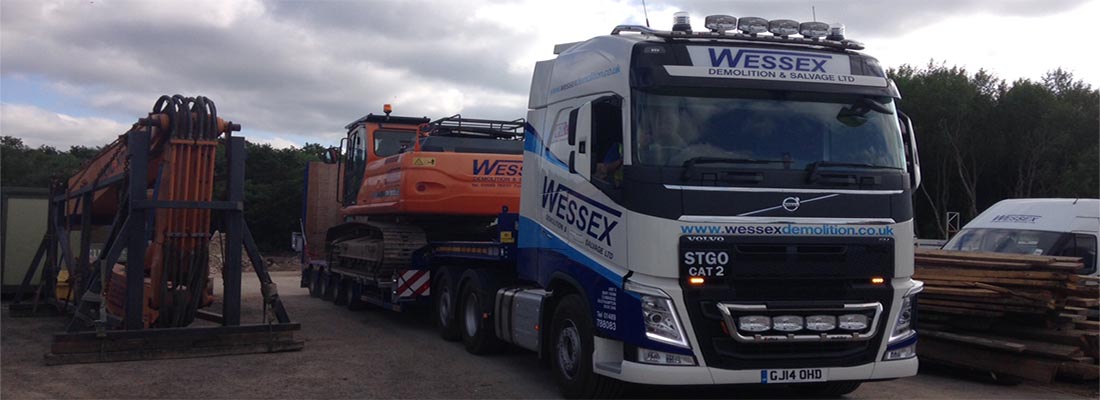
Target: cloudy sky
78 72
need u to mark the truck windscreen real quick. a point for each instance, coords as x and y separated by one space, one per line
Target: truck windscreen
774 130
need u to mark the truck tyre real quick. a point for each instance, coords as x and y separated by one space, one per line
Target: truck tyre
307 273
571 348
827 389
329 283
342 285
355 296
478 333
316 285
443 304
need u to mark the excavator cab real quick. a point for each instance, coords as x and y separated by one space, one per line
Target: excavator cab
373 138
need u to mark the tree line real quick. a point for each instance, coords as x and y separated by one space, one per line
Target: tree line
273 181
981 139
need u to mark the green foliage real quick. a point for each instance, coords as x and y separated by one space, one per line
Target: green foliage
273 181
983 140
273 192
21 165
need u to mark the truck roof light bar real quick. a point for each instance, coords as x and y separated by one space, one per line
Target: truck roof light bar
843 44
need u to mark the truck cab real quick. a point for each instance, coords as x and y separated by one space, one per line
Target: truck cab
731 206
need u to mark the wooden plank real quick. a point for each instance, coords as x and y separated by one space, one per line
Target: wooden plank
960 311
924 262
1016 301
1079 370
1073 337
976 340
1037 283
1044 275
1083 302
1088 325
988 256
982 306
1002 363
1040 296
961 292
161 354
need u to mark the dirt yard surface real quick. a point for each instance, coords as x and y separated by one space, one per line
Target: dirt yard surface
378 354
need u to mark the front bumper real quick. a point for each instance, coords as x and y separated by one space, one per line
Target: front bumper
701 375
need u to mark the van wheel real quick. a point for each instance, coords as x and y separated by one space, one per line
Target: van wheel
571 349
478 333
443 303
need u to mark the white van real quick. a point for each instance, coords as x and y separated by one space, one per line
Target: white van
1059 227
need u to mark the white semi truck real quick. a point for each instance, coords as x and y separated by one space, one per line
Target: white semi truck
721 207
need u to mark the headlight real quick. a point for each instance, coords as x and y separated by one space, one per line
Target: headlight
903 324
661 322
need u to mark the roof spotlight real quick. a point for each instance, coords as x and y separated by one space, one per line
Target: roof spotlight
721 23
783 27
813 30
752 25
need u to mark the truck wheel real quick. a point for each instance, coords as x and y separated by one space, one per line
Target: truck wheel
477 331
827 389
341 298
571 348
355 296
307 273
443 304
316 285
329 283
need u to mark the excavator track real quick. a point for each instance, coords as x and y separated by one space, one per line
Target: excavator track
374 250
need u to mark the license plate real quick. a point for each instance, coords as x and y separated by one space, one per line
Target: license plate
793 375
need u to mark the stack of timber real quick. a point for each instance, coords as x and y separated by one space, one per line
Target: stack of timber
1022 316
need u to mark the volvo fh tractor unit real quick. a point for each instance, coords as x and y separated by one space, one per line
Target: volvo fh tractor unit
726 206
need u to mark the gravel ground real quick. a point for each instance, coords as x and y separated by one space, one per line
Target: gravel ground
376 354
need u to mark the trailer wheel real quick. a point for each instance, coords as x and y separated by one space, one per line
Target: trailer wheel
571 348
476 327
316 285
827 389
443 304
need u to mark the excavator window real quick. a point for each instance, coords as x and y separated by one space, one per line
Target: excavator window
388 143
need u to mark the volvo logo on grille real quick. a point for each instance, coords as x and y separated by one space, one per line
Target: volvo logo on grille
791 204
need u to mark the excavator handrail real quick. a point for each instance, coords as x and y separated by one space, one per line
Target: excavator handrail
456 125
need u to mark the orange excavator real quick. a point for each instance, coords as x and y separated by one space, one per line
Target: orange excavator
182 145
406 181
